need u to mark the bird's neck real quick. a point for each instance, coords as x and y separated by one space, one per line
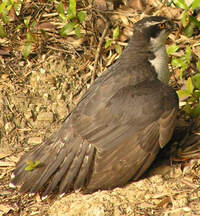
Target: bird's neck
160 64
142 53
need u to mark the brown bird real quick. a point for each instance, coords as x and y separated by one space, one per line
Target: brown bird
117 128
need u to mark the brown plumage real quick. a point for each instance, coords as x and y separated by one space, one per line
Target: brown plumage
117 128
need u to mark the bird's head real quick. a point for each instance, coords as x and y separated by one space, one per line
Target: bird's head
154 29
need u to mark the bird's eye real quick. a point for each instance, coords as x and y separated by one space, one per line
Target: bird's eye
161 26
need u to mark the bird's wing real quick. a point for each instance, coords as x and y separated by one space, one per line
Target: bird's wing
102 133
128 130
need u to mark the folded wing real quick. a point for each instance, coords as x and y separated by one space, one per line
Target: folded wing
106 141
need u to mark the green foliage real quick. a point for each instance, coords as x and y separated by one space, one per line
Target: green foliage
78 31
81 16
27 49
67 29
198 65
30 36
115 35
192 93
195 4
172 49
31 165
72 18
118 49
192 89
183 61
2 32
108 43
71 12
180 4
189 22
196 81
17 6
6 6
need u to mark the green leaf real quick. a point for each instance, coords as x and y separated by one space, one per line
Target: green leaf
196 94
78 31
5 18
71 12
189 29
195 4
5 7
185 19
61 8
118 49
9 7
27 21
31 165
2 6
198 66
172 49
81 16
116 33
180 4
30 37
2 32
33 25
195 21
181 74
67 29
188 53
27 50
187 108
196 81
183 61
183 93
17 7
179 62
196 111
108 43
28 168
61 11
189 85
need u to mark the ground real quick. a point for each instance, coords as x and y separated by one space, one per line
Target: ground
38 92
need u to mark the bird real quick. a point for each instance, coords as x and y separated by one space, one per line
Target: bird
117 128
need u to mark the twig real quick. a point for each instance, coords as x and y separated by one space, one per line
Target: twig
190 184
98 52
58 49
6 164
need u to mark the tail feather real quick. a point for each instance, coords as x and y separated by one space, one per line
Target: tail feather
59 174
62 163
68 180
86 165
40 176
19 172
